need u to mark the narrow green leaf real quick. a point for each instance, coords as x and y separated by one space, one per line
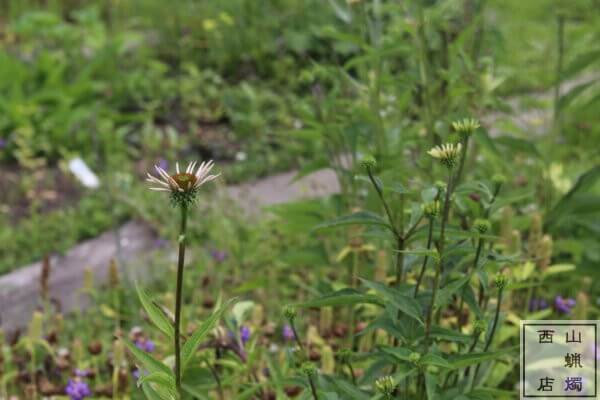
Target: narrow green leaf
358 218
156 315
190 346
464 360
445 294
150 393
341 297
146 360
165 381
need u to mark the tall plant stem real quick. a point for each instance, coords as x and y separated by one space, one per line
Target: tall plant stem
490 338
473 270
461 164
422 273
445 215
178 297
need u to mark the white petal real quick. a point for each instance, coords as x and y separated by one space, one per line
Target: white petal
159 189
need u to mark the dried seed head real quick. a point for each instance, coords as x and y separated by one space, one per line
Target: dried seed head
113 274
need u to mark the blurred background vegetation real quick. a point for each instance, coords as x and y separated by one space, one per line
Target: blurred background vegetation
264 86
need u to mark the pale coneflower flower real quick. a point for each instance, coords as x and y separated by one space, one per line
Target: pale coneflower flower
183 186
446 153
466 126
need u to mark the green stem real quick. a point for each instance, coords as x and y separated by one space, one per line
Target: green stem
388 212
178 298
422 273
445 215
463 157
473 270
490 338
313 388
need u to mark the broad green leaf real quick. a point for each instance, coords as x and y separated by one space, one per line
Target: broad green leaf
343 297
404 303
358 218
584 183
192 343
146 360
158 318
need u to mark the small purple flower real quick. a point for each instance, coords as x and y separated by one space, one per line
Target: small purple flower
164 164
145 344
160 242
2 143
244 334
288 333
136 373
537 304
218 255
77 389
82 373
564 305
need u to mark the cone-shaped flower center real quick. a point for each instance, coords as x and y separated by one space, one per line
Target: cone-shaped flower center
185 181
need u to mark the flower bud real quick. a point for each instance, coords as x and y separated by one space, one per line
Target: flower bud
368 162
414 357
479 326
482 225
385 385
466 126
498 180
501 281
289 312
431 209
309 369
345 356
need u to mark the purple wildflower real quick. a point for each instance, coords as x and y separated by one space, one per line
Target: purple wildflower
564 305
288 333
160 242
218 255
537 304
77 389
162 163
2 143
82 373
146 345
244 334
136 373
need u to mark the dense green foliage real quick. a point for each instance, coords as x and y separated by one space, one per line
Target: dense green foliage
408 283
